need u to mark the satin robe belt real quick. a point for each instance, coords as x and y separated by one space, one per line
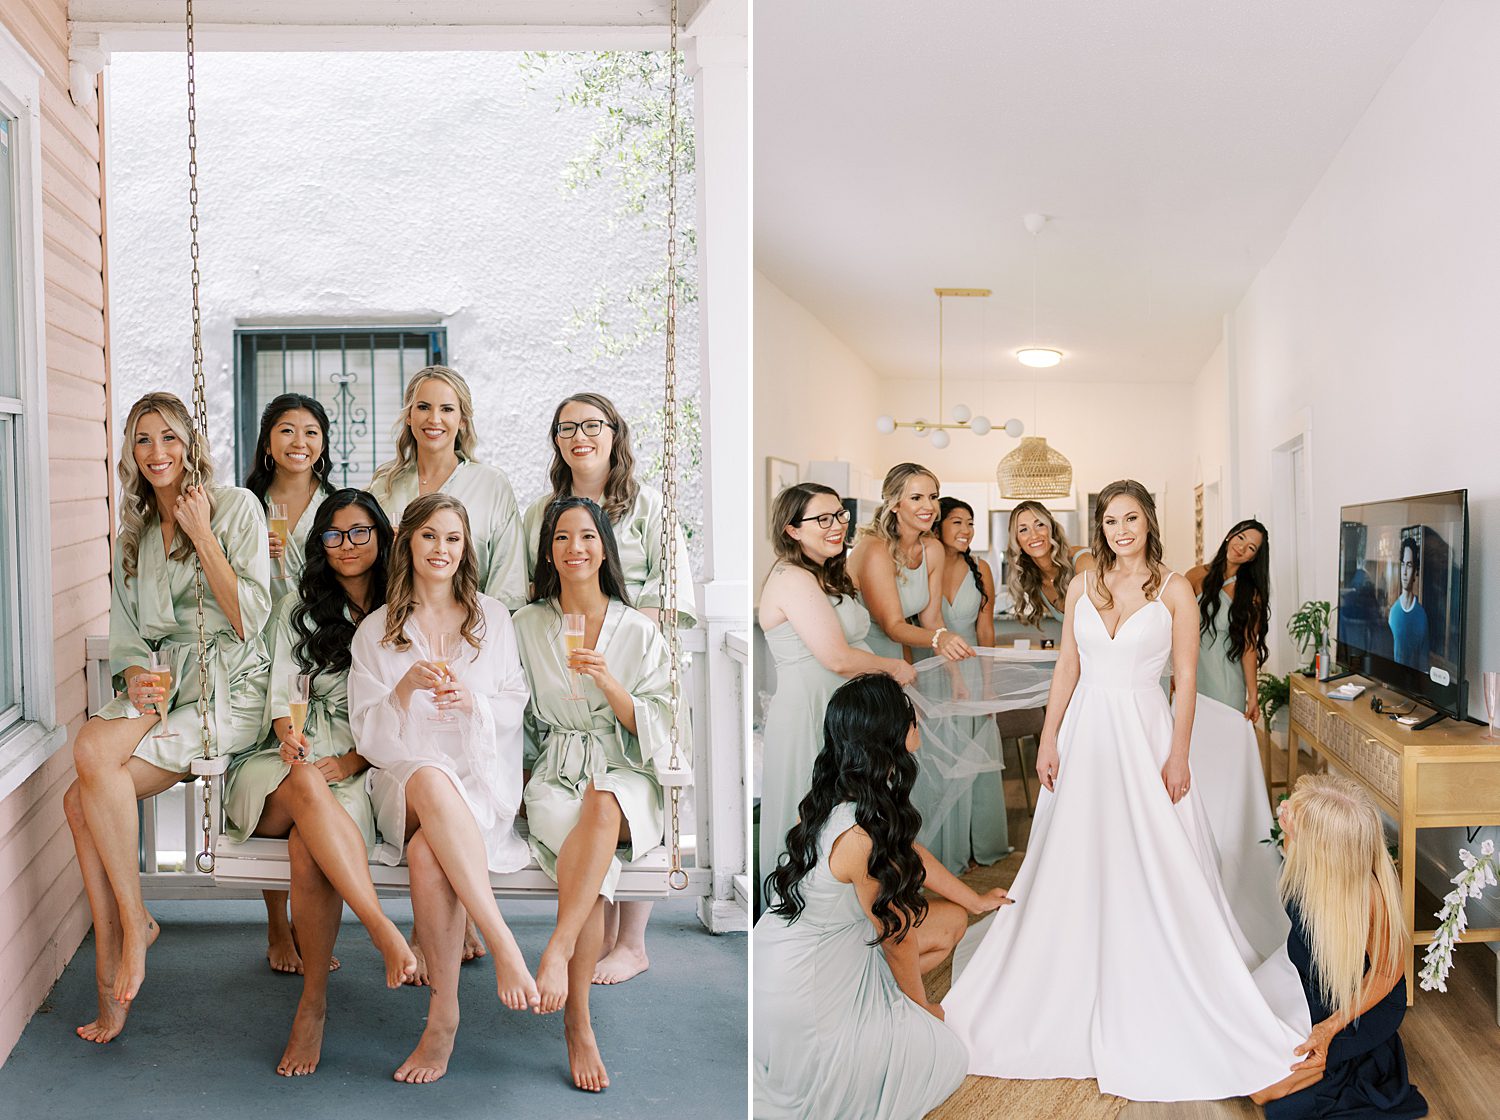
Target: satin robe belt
185 667
319 722
581 753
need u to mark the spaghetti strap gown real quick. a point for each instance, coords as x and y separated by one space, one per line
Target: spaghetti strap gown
1121 959
835 1038
1227 776
911 584
975 827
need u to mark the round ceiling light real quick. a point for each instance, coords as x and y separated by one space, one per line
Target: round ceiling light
1039 357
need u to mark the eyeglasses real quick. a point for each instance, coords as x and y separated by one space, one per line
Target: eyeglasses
360 534
826 520
566 429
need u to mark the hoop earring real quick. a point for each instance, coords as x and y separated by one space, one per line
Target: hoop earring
270 463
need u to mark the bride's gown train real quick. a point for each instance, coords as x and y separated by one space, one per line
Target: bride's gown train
1121 959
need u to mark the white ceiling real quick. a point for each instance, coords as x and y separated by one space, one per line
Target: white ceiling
1171 141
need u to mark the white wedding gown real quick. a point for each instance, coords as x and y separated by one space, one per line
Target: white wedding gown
1121 959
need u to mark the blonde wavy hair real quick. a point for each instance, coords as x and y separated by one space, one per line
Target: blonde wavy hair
883 525
464 442
400 595
1024 578
1338 873
138 510
1105 556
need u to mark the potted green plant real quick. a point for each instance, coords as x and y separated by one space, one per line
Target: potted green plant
1309 629
1272 693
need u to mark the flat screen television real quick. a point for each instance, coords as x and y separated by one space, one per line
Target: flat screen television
1403 596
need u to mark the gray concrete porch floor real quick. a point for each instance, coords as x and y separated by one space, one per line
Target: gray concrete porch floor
211 1022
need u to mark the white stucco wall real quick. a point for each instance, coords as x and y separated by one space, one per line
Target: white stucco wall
393 188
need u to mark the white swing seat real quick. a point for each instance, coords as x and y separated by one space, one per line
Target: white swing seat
264 864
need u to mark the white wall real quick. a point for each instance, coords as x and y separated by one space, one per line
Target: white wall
1374 326
1375 319
395 187
814 400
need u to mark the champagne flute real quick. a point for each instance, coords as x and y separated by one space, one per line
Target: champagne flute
575 626
444 648
298 692
1492 702
159 664
279 526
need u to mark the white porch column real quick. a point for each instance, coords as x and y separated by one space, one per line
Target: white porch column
717 58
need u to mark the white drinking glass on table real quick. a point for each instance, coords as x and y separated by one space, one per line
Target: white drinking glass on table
298 692
575 626
277 512
1492 702
159 664
443 648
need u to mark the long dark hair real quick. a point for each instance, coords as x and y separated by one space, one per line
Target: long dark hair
547 584
262 467
787 510
1250 609
321 632
864 760
945 507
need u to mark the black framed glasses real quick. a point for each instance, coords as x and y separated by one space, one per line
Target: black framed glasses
360 534
566 429
826 520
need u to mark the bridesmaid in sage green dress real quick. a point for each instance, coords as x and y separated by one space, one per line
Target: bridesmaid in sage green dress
592 458
602 716
976 826
290 466
843 1027
816 630
1234 604
310 787
897 567
168 528
1040 564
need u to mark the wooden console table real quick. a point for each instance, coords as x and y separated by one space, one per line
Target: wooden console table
1445 777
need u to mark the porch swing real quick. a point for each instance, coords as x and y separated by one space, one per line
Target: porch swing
264 863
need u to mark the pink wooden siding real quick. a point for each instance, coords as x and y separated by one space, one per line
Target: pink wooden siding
43 916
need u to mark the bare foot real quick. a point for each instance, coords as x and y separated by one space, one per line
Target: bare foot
551 981
473 943
305 1044
621 964
584 1061
513 980
418 977
111 1020
429 1061
285 955
135 940
400 961
281 950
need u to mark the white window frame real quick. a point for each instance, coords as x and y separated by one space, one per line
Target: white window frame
25 746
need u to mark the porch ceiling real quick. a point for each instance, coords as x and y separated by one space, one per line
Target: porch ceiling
1172 141
382 24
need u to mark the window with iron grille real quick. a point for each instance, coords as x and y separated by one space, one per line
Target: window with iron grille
358 375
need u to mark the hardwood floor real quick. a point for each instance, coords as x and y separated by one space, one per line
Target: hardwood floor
1452 1039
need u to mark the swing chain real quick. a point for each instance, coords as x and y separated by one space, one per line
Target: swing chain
205 857
676 877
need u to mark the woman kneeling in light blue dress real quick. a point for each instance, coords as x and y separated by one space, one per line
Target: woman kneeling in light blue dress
601 715
310 787
842 1022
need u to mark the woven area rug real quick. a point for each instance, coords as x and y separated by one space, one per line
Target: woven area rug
989 1097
